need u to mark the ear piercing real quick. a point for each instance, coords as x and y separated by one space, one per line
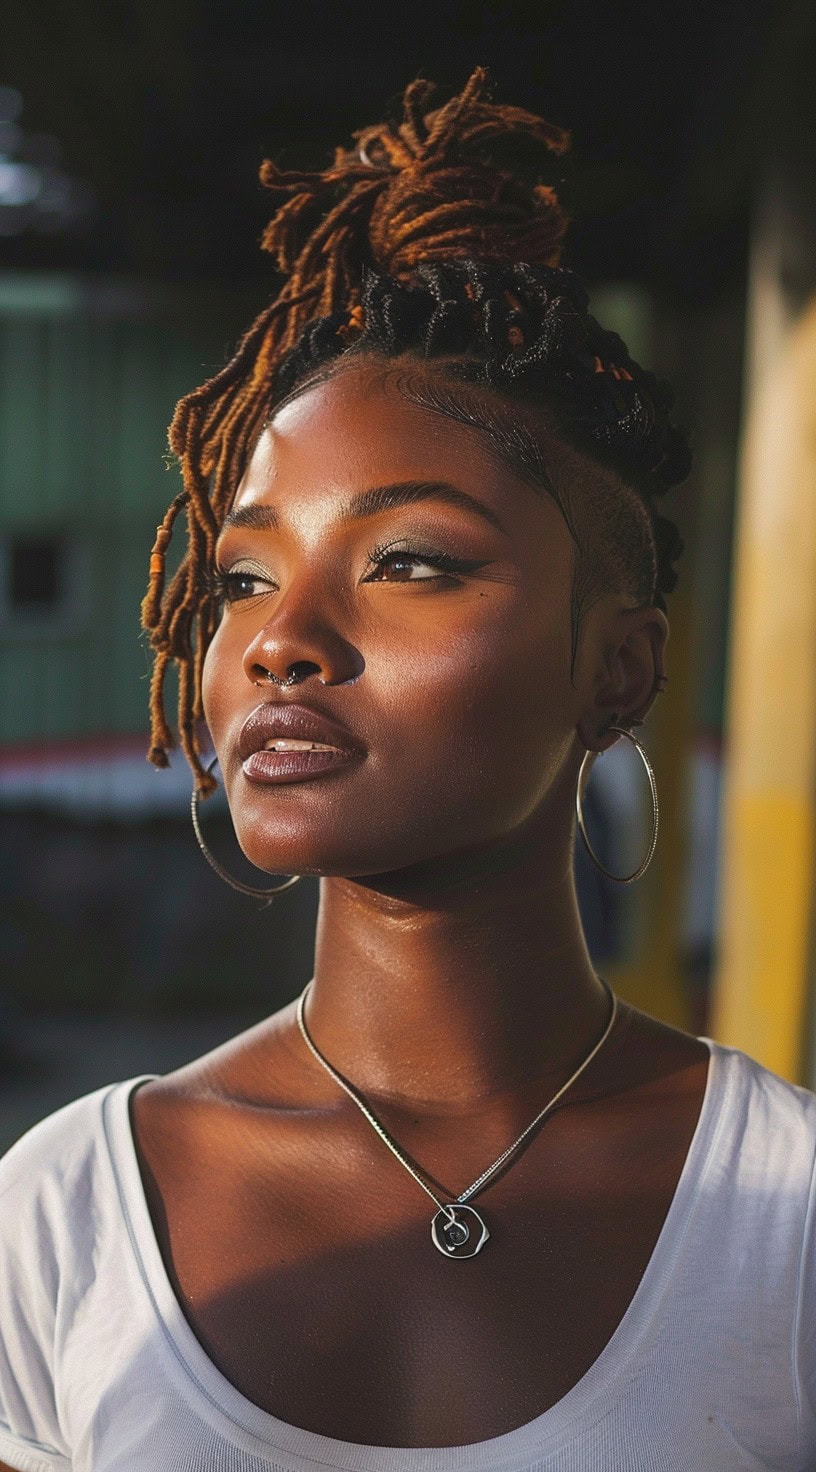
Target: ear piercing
583 777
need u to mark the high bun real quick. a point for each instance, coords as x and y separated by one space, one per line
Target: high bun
435 237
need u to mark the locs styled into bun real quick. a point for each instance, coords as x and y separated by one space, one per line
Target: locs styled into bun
433 238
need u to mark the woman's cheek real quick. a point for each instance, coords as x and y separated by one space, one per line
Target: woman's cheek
215 684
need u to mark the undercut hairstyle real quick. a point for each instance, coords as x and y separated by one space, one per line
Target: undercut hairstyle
434 245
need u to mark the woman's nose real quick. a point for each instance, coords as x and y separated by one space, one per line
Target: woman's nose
296 643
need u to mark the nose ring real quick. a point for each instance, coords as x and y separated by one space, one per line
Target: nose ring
290 679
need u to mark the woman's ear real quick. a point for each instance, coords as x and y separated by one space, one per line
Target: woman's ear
630 674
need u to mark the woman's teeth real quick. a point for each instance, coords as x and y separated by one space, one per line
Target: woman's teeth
290 744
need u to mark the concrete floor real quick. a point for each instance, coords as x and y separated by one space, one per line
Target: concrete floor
46 1061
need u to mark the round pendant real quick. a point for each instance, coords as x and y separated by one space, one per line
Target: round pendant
464 1236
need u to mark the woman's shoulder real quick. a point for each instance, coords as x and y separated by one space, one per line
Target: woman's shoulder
753 1123
58 1164
737 1073
759 1088
62 1145
767 1122
60 1220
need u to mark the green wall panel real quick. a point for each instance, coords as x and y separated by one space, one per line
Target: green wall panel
89 378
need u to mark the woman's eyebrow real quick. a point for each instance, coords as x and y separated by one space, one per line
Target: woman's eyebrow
405 493
367 503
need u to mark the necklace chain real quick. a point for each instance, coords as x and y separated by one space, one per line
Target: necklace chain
400 1154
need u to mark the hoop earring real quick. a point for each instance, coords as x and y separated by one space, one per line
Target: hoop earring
582 780
264 894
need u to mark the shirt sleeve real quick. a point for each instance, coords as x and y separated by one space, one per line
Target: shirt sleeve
30 1435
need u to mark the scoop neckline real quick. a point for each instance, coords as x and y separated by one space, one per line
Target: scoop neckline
244 1424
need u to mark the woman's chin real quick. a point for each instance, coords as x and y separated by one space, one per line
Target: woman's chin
306 859
320 861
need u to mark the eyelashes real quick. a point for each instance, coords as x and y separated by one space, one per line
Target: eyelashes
393 552
227 586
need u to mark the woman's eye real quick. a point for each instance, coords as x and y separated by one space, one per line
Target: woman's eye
402 566
414 567
235 586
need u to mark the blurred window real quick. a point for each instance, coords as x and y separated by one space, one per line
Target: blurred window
36 574
43 584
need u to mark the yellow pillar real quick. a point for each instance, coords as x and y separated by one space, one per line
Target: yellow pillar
761 984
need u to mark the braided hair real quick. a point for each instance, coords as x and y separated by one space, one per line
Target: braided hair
423 242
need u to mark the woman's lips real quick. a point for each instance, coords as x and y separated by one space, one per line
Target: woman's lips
295 761
306 743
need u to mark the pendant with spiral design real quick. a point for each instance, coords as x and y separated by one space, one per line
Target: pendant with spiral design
461 1237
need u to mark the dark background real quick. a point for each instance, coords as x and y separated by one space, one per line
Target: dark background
167 109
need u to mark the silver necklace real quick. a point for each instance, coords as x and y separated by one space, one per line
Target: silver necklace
458 1230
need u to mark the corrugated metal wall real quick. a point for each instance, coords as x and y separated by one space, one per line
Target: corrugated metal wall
89 376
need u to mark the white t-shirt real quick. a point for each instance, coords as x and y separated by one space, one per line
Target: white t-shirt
712 1368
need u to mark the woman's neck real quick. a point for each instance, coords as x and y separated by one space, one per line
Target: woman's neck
441 988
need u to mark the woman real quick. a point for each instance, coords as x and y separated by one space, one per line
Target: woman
424 586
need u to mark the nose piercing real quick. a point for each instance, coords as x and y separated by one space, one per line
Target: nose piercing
292 678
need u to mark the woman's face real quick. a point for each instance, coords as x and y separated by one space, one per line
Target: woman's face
454 678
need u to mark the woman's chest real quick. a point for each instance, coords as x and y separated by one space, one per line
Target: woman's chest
368 1342
318 1293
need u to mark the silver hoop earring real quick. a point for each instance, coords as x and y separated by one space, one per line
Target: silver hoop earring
262 894
583 777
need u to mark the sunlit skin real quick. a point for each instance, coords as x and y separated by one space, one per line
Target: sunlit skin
450 958
452 980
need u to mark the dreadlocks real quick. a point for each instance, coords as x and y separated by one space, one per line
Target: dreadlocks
417 243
